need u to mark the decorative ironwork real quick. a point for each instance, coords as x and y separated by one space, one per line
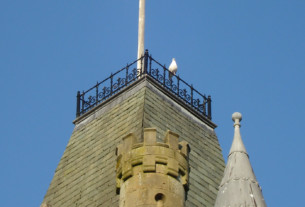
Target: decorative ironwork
129 74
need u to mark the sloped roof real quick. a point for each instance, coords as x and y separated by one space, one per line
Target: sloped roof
239 186
86 175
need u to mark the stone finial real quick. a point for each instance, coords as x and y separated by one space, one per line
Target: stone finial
237 145
236 117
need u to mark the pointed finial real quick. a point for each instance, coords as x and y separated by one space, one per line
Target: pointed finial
237 145
236 117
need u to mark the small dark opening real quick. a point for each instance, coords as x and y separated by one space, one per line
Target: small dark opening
159 197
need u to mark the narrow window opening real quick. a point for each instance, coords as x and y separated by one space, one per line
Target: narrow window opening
160 198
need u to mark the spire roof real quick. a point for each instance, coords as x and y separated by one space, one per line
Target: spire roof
239 186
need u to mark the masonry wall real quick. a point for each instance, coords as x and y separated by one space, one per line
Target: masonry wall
85 175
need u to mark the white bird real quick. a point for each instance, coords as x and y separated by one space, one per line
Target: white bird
172 68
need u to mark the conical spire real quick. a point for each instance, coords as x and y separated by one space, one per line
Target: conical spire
239 186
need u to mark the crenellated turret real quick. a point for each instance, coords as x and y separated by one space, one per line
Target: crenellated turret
152 173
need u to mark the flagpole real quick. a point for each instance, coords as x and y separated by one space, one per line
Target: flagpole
141 31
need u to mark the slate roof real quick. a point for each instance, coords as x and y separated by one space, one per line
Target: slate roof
239 186
85 175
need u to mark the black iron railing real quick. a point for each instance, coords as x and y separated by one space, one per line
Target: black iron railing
129 74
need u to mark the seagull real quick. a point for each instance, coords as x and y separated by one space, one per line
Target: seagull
172 68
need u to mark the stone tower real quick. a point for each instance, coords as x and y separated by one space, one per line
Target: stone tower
130 100
152 173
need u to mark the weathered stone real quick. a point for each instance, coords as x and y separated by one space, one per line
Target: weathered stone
147 181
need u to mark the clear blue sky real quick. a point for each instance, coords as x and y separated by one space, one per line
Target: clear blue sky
248 55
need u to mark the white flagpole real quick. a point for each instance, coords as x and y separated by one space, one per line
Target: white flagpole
141 31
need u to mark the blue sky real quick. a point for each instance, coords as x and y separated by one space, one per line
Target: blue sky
248 55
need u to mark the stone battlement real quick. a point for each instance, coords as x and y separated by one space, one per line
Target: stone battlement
168 158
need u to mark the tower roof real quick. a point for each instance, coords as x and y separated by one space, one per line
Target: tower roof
86 176
239 186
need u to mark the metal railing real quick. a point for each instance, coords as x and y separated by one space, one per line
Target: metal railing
117 81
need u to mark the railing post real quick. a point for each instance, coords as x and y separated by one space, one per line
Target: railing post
164 70
150 64
111 83
83 102
126 79
192 90
96 93
209 108
178 85
78 104
204 106
141 69
145 61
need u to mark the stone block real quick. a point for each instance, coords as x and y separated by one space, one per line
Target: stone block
150 136
171 139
